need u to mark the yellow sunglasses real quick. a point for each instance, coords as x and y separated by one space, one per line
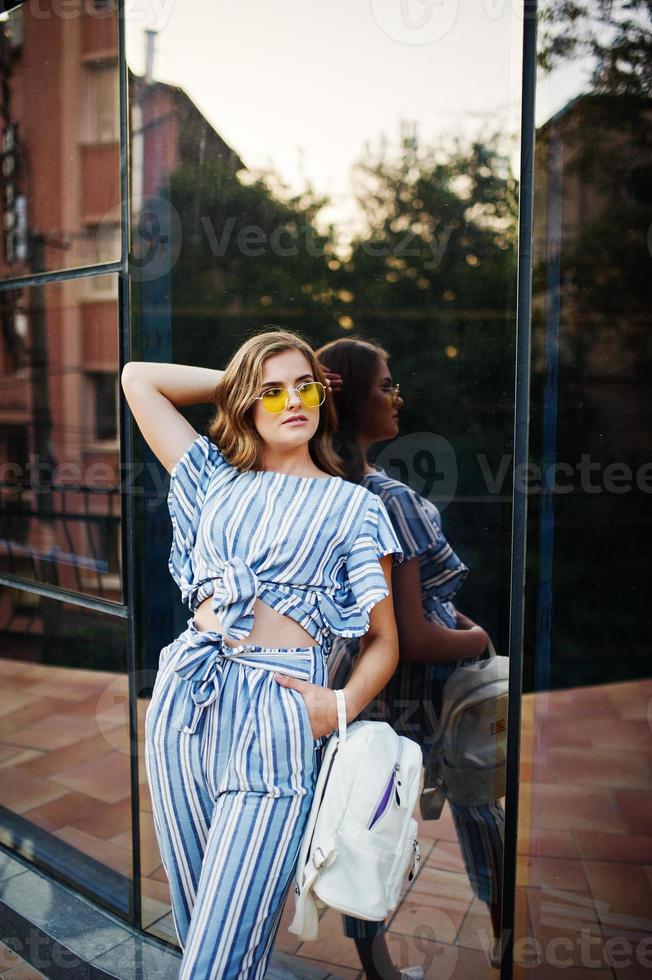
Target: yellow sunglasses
275 400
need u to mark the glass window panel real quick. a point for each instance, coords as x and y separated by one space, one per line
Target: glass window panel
60 192
64 743
586 782
60 505
372 195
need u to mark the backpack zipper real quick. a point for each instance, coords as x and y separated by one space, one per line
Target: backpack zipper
382 805
416 857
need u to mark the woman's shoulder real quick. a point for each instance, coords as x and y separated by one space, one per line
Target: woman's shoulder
416 519
394 493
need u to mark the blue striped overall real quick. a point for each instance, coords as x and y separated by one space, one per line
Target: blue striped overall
232 765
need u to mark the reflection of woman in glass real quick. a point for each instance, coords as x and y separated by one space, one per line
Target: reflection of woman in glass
433 636
266 538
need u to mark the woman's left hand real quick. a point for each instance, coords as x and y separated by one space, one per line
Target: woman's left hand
321 703
333 380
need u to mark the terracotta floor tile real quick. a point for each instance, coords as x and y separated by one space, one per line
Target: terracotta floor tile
159 891
8 958
22 792
637 807
631 699
30 714
611 733
566 928
547 872
23 972
66 689
286 941
159 874
576 808
9 667
107 820
417 916
442 829
122 840
106 779
144 798
476 931
53 732
614 847
149 853
49 763
446 856
12 701
577 703
155 900
62 811
639 962
440 961
332 945
18 756
331 970
104 852
599 767
545 842
555 973
449 889
623 892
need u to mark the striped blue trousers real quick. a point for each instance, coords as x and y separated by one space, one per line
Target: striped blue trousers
410 703
232 765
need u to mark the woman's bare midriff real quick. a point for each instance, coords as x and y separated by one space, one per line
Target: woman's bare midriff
270 629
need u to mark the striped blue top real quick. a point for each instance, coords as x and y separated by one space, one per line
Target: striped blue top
306 546
417 523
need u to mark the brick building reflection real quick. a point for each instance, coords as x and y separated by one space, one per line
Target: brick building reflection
59 347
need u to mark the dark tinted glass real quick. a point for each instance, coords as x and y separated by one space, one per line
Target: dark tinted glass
64 743
369 193
586 787
60 507
60 152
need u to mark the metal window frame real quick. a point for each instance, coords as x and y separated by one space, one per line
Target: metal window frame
129 609
521 453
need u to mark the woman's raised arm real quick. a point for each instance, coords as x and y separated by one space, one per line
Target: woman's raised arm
154 390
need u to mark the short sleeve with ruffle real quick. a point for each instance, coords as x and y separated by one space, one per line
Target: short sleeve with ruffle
376 537
416 522
189 480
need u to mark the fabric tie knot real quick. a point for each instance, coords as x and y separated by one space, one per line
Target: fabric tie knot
202 670
234 598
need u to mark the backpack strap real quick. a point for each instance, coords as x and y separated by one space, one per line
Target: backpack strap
306 913
341 715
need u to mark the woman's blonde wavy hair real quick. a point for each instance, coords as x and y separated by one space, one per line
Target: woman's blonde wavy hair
232 427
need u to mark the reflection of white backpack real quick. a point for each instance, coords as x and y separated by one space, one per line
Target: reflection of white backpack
360 835
466 763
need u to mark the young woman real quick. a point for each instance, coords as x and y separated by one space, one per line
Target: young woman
275 553
434 637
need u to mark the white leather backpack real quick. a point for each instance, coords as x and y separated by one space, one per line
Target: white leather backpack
360 836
